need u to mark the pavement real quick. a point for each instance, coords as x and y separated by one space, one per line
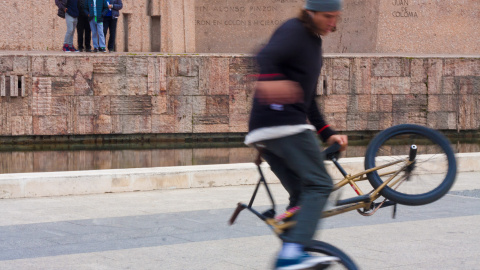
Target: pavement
187 229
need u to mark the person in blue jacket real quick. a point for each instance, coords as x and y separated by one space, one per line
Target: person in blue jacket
96 10
285 117
110 22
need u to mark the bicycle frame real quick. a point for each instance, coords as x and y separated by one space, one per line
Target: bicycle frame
365 201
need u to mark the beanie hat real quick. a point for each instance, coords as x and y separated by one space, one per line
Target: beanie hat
323 5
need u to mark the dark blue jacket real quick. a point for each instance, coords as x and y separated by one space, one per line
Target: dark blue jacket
293 53
73 8
117 5
102 9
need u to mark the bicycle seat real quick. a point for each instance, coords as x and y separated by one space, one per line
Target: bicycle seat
333 151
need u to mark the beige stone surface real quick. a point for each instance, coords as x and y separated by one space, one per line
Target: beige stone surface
224 26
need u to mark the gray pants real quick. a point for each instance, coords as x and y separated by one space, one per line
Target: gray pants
71 26
297 161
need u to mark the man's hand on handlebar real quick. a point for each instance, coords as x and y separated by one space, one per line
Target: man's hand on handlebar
340 139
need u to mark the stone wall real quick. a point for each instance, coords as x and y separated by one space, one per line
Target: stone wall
58 94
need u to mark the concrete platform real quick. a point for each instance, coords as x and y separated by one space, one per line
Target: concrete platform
145 179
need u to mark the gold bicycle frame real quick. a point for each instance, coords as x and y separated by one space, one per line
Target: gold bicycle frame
279 226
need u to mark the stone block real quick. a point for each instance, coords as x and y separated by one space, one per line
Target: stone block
102 124
362 73
214 76
468 85
418 70
359 103
238 102
385 120
137 85
338 121
435 73
21 125
164 123
42 86
341 69
382 103
390 67
131 124
449 85
238 122
335 104
442 120
210 128
443 103
6 63
110 65
419 89
19 107
467 67
62 86
183 111
82 85
84 124
49 125
131 105
137 66
21 65
391 85
93 105
159 105
469 108
357 122
184 86
340 87
157 70
110 85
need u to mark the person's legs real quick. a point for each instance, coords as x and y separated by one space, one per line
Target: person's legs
101 36
93 27
301 154
71 23
80 33
106 25
113 34
88 35
287 177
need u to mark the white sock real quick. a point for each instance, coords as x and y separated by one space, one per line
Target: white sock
291 250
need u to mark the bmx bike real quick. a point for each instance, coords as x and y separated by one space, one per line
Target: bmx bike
405 164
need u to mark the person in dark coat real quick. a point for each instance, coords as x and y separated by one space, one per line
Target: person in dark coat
69 10
110 22
285 121
84 34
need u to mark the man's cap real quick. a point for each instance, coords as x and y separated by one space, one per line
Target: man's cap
323 5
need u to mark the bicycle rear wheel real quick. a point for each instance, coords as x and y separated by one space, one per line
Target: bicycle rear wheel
326 249
427 180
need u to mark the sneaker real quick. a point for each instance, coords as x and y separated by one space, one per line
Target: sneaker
66 48
72 49
88 50
103 50
94 50
305 261
80 50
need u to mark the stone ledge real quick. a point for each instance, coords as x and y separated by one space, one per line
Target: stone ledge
27 185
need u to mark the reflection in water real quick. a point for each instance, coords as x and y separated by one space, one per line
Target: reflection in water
47 161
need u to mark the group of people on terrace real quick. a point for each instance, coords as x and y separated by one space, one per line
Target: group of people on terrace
92 19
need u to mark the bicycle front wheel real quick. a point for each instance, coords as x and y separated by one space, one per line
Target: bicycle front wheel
428 179
325 249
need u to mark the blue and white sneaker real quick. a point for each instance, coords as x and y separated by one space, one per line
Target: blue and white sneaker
305 261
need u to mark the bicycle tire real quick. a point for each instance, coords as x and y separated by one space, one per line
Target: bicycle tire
325 249
435 164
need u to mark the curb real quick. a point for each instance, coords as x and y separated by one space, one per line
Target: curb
28 185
